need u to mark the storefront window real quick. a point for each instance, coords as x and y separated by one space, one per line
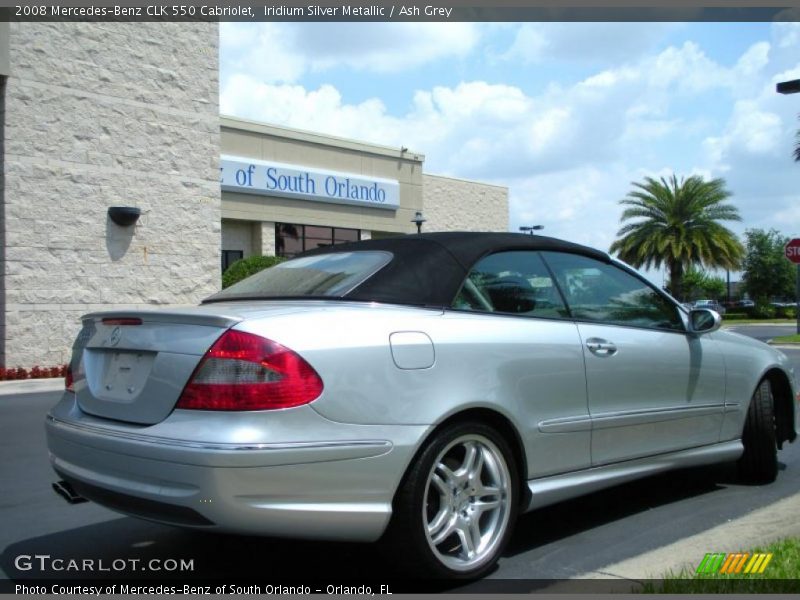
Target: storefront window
293 239
229 257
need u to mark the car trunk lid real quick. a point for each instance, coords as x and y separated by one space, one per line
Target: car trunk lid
132 366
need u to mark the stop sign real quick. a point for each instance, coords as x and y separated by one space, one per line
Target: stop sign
792 250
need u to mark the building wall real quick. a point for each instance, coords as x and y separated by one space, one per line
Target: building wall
98 115
241 235
460 205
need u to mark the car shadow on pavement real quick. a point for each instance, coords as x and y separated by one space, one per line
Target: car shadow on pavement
617 507
127 547
123 548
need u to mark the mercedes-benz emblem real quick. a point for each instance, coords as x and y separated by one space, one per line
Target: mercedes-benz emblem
115 337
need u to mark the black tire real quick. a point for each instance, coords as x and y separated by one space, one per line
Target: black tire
759 462
426 506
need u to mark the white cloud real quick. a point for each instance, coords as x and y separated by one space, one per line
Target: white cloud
273 52
264 51
319 110
753 149
385 47
687 70
787 34
478 129
754 60
568 152
593 42
751 132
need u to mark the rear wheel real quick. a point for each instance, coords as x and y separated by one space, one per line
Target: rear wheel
456 508
759 462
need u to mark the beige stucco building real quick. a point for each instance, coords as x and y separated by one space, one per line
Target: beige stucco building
107 115
285 191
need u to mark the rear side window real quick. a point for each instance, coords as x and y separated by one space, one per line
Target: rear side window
323 275
516 283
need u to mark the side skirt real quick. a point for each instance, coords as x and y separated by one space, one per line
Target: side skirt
549 490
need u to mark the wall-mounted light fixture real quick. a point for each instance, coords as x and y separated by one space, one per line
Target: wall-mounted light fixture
418 220
124 216
788 87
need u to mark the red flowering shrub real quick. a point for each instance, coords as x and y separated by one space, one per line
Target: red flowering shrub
36 372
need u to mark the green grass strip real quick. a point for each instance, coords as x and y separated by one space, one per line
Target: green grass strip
781 576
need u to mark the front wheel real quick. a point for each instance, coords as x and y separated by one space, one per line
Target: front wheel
458 503
759 462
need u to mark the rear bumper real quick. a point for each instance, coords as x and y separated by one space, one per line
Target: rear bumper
335 489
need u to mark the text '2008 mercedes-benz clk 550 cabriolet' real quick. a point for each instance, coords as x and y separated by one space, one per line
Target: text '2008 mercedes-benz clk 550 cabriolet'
423 389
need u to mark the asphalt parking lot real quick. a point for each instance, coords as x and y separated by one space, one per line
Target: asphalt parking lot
556 542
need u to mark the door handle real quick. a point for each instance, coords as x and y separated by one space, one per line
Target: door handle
601 347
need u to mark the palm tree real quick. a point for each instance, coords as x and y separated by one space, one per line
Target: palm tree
679 226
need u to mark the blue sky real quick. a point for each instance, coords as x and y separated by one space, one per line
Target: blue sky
566 115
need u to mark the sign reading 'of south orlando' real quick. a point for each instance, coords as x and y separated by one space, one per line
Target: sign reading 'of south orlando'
268 178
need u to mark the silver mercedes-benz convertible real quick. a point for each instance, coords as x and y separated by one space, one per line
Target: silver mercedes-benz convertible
423 389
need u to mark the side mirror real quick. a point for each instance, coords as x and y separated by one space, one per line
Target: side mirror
704 320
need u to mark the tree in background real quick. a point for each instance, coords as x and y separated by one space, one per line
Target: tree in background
678 226
767 273
797 147
715 287
698 284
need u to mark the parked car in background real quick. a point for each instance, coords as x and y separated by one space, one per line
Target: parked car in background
424 389
745 304
783 304
709 304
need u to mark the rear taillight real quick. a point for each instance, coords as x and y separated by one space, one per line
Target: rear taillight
74 376
243 371
69 380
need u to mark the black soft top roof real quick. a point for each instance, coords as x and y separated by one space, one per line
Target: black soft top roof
428 269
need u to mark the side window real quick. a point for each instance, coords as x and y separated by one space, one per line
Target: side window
511 283
598 291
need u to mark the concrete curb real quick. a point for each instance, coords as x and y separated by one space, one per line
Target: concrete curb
762 526
730 324
30 386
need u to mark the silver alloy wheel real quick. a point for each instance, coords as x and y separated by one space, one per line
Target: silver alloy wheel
466 507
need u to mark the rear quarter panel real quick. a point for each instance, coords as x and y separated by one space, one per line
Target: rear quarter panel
527 370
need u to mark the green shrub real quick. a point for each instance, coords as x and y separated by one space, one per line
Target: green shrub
786 312
245 267
763 311
735 316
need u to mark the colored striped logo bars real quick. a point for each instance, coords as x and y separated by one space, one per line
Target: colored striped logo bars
735 563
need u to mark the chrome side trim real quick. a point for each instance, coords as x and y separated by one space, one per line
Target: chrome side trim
550 490
653 415
566 424
195 445
626 418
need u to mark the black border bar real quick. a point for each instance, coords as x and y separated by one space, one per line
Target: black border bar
411 11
